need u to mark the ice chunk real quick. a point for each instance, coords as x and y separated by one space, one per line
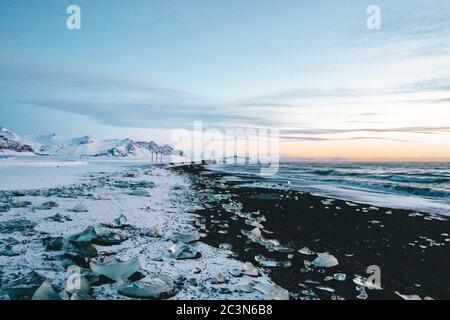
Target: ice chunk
235 272
81 296
46 292
247 288
219 278
59 218
20 204
340 276
265 262
117 271
88 235
16 225
154 287
273 292
23 286
306 251
408 297
225 246
109 238
119 222
250 270
325 260
153 232
181 250
186 237
8 252
79 208
139 193
47 205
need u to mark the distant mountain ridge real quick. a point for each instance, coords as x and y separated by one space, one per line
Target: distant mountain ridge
87 146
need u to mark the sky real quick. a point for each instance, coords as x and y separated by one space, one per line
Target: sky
312 69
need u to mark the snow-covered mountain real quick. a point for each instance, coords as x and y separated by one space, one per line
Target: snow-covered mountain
87 146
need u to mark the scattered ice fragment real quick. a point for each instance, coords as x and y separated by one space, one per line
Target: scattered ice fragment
20 204
88 235
250 270
306 251
46 292
265 262
154 287
181 250
186 237
235 272
119 222
117 271
139 193
109 238
247 288
324 288
81 296
8 252
408 297
153 232
47 205
325 260
225 246
340 276
23 286
59 218
79 208
218 279
273 292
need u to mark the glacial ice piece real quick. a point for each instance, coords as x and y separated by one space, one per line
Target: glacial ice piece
250 270
16 225
46 292
4 207
153 232
340 276
154 287
139 193
218 279
119 222
109 239
225 246
79 208
247 288
8 252
272 292
81 296
408 296
181 250
117 271
186 237
325 260
306 251
325 288
21 204
88 235
266 262
47 205
235 272
59 218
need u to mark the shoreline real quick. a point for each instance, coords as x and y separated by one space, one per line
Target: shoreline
410 247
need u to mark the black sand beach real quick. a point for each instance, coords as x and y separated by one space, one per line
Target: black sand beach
410 248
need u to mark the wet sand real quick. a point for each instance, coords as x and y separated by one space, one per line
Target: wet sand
411 248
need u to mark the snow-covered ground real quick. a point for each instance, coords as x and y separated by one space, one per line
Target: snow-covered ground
148 196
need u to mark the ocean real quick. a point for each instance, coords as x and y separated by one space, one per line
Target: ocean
423 186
